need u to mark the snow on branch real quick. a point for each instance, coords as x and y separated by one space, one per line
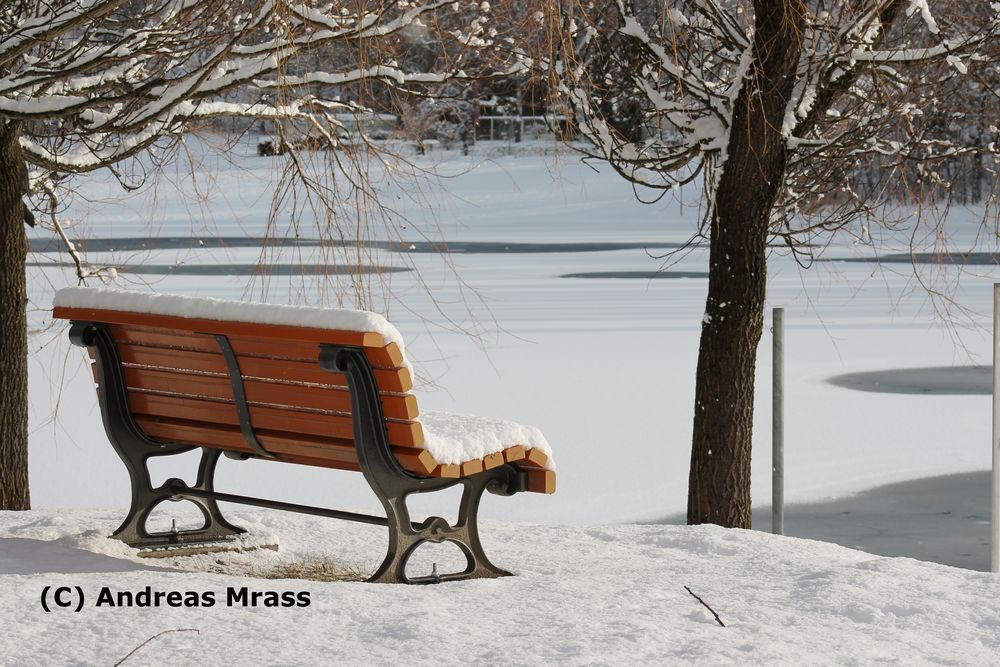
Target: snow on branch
652 88
898 88
49 24
97 81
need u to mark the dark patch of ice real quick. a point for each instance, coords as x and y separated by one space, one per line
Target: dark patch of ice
938 380
638 275
239 269
956 258
939 519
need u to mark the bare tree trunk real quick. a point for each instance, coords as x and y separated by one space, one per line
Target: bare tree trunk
13 325
719 482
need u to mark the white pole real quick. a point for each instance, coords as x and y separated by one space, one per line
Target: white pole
778 423
995 490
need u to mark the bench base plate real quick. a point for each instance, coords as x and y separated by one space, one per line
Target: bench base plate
198 549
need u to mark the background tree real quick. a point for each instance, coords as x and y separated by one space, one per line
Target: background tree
90 84
782 109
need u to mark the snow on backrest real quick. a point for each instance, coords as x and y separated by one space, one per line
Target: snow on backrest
332 319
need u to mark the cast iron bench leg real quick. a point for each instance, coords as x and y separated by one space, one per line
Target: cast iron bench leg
392 485
135 450
405 537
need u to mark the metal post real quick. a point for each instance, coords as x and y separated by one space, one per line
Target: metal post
778 423
995 487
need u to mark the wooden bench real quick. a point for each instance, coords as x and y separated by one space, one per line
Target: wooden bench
313 386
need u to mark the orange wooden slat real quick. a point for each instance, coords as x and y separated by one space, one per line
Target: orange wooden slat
515 453
451 470
491 461
379 357
400 407
534 458
408 434
181 340
394 380
541 481
182 360
286 446
470 468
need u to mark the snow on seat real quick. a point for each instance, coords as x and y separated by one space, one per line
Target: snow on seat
472 442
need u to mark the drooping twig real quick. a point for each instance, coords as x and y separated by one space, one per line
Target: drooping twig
158 634
705 604
81 272
106 274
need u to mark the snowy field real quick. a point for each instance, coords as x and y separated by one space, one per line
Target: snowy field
604 366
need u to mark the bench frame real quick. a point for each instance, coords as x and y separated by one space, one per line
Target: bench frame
387 479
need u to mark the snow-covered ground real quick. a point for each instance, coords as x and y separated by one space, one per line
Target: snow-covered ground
583 595
604 366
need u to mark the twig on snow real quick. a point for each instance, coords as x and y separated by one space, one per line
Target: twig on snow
705 604
158 634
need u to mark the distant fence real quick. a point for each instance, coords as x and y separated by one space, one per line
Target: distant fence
519 128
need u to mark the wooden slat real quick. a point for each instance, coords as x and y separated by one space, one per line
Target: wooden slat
389 356
513 454
394 380
180 340
379 357
248 329
534 458
408 434
183 360
470 468
453 471
329 452
491 461
541 481
402 407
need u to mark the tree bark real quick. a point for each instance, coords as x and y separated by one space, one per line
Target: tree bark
13 324
753 170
